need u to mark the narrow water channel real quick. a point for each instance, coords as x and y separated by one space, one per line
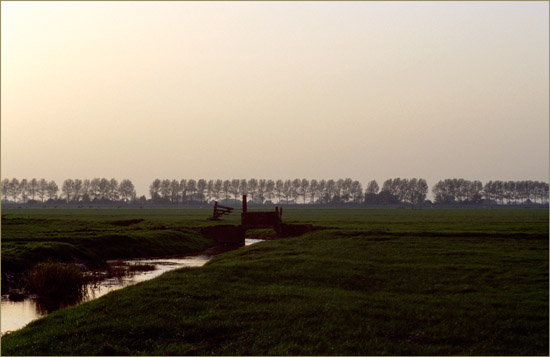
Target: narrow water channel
16 314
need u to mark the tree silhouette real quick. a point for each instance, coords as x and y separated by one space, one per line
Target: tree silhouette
33 188
52 190
127 190
4 188
14 189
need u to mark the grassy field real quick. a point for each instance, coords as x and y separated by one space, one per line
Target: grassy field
387 282
91 236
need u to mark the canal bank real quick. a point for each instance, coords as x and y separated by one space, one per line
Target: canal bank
16 314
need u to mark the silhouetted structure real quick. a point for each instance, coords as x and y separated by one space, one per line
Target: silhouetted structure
219 211
235 235
261 219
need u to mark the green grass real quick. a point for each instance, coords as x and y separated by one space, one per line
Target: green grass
93 236
391 282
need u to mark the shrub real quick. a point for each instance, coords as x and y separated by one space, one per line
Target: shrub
51 279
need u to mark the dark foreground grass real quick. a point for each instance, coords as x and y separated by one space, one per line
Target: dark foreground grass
352 292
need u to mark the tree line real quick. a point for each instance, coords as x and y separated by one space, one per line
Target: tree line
262 191
513 192
77 190
258 191
413 191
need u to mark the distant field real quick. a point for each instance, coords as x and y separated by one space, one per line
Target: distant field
93 235
407 220
386 282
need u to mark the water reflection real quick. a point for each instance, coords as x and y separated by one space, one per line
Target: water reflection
45 306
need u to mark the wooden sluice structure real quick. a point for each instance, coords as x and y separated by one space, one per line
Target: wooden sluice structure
261 219
250 219
231 234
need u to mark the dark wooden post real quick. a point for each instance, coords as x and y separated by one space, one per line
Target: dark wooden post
215 213
244 203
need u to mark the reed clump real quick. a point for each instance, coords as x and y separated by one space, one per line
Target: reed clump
141 267
53 279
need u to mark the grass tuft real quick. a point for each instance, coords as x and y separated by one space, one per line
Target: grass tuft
51 279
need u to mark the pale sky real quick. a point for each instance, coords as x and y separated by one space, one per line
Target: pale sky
367 90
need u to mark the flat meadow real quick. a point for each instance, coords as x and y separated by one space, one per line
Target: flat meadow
379 282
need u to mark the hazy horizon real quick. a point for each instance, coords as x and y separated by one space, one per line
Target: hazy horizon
366 90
